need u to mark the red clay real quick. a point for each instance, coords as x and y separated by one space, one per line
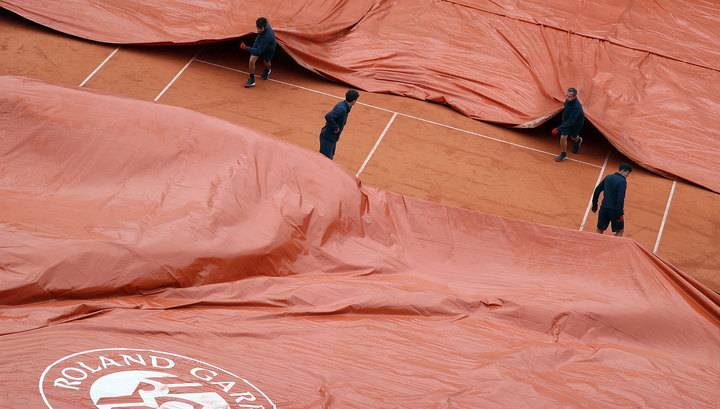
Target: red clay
290 114
140 72
457 169
30 50
692 234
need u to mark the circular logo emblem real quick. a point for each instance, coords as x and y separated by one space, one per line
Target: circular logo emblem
116 378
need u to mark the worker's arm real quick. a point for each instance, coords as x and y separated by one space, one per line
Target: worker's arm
596 194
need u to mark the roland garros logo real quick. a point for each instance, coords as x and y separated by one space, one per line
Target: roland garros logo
124 378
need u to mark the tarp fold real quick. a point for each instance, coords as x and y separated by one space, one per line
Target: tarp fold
260 269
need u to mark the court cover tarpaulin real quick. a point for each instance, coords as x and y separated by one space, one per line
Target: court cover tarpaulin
151 255
648 71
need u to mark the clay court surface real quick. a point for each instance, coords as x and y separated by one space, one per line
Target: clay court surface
402 145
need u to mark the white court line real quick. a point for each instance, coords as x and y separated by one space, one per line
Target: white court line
405 115
597 182
517 145
662 224
82 84
172 81
296 86
377 143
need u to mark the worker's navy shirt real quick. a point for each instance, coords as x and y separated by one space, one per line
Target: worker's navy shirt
573 118
335 121
264 45
613 188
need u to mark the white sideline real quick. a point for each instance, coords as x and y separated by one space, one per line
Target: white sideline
172 81
662 223
377 143
92 74
599 178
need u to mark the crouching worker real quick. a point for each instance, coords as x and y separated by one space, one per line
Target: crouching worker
263 47
573 119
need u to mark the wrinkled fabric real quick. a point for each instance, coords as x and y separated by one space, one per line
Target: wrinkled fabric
134 228
648 72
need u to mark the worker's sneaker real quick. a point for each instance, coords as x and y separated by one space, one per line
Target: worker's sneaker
266 74
250 82
577 145
561 157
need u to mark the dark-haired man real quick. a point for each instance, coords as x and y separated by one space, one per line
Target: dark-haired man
263 47
335 122
612 209
573 119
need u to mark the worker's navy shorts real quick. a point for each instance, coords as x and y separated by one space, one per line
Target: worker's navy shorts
610 217
327 147
268 55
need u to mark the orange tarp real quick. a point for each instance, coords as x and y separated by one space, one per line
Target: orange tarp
648 72
152 254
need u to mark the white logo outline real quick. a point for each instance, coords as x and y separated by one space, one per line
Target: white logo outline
49 367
